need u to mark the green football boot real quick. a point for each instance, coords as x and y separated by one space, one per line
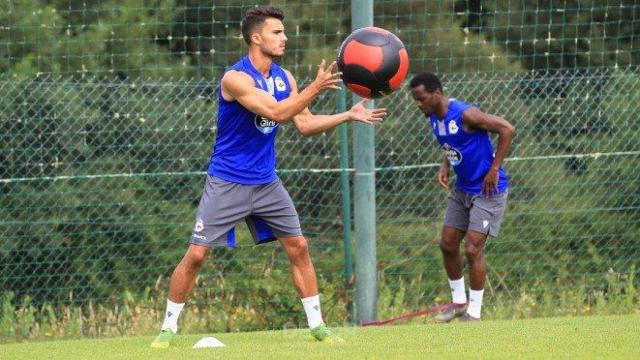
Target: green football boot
322 333
164 339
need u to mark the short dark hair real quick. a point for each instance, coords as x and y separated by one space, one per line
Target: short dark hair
256 16
429 80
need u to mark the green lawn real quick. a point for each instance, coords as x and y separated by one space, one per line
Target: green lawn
611 337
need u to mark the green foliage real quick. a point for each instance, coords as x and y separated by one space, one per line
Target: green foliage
548 35
104 141
219 305
167 38
96 38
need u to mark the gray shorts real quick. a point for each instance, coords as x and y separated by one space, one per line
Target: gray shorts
479 213
267 209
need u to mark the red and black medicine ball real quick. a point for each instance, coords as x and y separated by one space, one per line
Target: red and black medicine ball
373 62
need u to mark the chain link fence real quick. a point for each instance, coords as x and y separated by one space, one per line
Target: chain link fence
572 212
100 181
107 120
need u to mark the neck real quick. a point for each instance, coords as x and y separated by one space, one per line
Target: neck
442 108
260 61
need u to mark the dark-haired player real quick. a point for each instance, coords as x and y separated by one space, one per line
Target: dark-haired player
255 97
476 204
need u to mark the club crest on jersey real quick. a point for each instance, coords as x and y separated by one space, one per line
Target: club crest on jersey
453 127
454 156
280 85
264 125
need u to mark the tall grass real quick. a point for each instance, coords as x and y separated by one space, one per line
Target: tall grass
214 311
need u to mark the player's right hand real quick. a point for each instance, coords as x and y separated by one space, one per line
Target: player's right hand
326 78
443 177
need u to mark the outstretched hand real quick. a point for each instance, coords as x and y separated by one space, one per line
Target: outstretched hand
368 116
326 78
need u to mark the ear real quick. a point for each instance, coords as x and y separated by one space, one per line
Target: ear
256 38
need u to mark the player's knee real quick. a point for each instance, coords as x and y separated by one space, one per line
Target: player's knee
473 252
297 247
195 259
448 247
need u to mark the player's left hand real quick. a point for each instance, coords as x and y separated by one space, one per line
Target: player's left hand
368 116
490 184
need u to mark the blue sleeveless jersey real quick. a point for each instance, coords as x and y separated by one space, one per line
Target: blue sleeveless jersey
244 149
470 154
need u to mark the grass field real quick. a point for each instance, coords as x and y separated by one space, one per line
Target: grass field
611 337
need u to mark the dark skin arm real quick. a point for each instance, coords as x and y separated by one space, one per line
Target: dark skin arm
474 118
443 174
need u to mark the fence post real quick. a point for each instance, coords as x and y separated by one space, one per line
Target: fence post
364 193
346 202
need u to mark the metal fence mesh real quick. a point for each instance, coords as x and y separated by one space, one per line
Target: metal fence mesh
100 181
107 120
198 38
572 197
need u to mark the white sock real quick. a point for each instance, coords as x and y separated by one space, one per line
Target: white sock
475 302
312 309
171 316
458 294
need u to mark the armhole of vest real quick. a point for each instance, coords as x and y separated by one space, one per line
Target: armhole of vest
234 68
461 109
219 87
467 107
221 99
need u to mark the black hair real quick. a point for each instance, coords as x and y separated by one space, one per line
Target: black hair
429 80
255 17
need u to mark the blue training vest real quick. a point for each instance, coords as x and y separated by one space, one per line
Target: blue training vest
244 149
470 154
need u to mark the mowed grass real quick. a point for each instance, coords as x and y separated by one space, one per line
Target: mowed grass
610 337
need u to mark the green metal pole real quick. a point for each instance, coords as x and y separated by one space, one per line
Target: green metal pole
364 194
346 202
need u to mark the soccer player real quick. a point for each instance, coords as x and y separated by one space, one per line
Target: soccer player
476 204
255 97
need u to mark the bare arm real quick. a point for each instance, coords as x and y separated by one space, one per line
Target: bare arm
443 173
477 119
474 118
240 87
310 124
